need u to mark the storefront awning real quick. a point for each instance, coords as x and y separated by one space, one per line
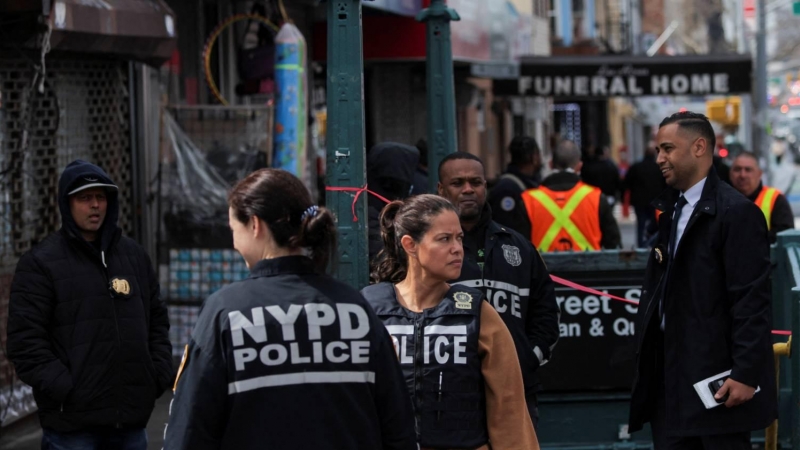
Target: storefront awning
143 30
598 77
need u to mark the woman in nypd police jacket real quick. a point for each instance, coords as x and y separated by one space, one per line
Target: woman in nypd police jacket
289 357
457 355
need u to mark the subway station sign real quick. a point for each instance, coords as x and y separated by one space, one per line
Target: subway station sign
596 77
596 348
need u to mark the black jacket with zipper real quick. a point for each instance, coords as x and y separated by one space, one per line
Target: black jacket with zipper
510 272
94 358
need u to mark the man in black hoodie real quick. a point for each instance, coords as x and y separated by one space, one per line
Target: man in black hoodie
86 327
390 174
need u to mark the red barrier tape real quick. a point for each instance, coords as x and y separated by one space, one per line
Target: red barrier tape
556 279
589 290
358 192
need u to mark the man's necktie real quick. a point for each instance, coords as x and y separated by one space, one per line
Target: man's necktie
673 245
673 234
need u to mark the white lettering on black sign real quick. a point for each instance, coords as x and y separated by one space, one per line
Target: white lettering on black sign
580 305
350 320
604 84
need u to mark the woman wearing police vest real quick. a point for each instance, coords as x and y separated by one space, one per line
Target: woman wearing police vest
289 357
457 355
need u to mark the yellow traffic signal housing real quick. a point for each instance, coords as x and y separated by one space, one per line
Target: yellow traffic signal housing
725 111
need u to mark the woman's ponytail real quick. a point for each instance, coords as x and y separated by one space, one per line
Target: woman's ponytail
318 235
391 262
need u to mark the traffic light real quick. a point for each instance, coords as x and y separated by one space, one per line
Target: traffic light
724 111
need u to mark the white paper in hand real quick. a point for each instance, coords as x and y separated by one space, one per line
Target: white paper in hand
705 394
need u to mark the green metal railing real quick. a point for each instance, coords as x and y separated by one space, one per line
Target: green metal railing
601 415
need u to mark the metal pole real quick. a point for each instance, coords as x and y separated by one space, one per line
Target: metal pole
795 364
441 88
760 141
346 154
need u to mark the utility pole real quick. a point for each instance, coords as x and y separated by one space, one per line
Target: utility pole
346 154
760 140
441 88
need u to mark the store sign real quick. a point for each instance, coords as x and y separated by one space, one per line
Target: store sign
602 77
402 7
597 334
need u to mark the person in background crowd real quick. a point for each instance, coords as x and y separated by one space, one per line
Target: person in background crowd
505 198
723 170
567 214
289 357
506 267
390 174
458 358
87 329
746 178
421 174
704 321
601 172
645 183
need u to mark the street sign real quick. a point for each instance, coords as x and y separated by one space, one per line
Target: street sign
796 8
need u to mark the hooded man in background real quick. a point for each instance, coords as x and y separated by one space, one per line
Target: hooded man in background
87 329
390 174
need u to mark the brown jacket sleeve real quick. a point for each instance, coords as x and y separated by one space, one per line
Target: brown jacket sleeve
507 418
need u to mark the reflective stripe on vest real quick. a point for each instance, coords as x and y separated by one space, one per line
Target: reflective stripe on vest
561 218
766 201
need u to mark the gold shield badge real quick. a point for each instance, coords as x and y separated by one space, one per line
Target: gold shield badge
120 286
659 255
463 300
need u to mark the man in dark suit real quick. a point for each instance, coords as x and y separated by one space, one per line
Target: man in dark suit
705 306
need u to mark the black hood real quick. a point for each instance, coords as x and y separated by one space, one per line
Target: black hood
72 175
395 162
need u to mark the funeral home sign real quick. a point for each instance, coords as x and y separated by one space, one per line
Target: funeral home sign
601 77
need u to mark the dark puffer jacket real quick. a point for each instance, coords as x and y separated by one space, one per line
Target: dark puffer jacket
95 358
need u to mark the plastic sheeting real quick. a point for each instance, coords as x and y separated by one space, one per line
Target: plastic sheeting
195 185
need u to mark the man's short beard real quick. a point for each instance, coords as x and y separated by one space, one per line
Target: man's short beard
466 217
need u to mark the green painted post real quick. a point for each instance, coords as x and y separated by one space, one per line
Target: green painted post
441 89
346 154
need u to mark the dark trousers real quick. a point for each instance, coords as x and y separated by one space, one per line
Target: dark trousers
661 441
95 440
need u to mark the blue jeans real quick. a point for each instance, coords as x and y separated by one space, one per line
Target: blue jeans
95 440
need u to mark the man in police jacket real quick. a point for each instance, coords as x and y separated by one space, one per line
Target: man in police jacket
505 266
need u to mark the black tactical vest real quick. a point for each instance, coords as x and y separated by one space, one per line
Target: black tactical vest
438 352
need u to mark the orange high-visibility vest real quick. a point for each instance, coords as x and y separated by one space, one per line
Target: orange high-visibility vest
564 220
766 201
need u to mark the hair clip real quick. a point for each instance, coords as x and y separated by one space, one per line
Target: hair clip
310 212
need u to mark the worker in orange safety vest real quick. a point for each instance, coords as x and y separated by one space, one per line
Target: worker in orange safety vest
567 214
746 178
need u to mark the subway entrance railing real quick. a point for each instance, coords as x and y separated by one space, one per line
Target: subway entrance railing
584 404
